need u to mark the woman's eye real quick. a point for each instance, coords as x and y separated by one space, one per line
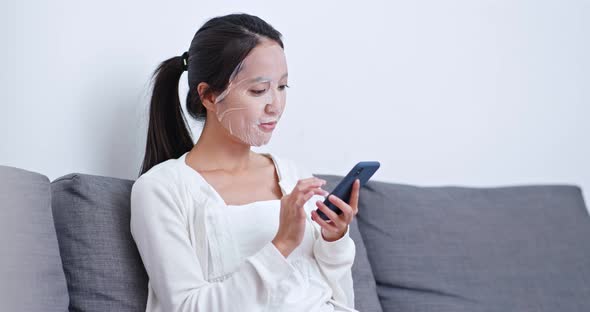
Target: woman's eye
257 92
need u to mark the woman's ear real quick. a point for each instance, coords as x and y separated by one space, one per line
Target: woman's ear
207 97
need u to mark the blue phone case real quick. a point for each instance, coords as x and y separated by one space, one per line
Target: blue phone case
363 171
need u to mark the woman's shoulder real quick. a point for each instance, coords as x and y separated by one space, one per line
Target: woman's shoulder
169 175
163 172
291 168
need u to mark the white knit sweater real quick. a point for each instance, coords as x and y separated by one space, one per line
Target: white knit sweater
191 257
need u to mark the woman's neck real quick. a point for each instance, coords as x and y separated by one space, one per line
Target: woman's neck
218 150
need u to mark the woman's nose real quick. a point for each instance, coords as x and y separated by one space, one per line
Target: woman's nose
271 109
274 106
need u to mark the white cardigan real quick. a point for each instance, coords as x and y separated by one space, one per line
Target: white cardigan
191 259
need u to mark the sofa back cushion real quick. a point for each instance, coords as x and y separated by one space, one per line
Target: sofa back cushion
522 248
101 262
31 274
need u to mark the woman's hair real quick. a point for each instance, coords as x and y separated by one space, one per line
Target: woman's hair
216 49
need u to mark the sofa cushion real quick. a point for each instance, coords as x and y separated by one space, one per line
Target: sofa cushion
522 248
101 262
31 273
365 289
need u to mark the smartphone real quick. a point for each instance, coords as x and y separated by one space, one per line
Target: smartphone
363 171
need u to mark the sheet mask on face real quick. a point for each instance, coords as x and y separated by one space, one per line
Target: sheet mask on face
249 101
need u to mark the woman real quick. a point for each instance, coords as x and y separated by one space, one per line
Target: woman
222 228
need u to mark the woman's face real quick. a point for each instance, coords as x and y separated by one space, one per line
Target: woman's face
255 95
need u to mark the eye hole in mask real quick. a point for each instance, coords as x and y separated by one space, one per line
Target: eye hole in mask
262 91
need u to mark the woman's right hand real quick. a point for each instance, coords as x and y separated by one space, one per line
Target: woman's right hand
292 216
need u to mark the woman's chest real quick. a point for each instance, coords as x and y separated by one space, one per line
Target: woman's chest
223 237
253 226
247 188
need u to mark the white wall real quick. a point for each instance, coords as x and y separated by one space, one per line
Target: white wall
475 93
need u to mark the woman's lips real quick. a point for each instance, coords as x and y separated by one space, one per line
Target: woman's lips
269 126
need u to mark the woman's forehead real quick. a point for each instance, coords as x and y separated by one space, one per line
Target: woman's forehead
263 63
261 79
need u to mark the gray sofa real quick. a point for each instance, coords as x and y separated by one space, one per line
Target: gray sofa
66 245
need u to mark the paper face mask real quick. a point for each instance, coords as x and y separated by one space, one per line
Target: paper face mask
254 100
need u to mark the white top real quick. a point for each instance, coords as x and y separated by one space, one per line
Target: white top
255 224
195 261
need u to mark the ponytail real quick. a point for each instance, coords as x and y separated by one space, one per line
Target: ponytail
168 132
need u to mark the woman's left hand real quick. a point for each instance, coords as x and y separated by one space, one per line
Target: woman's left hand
336 227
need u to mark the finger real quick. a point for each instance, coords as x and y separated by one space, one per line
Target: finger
303 185
319 189
312 187
354 197
346 209
327 226
301 199
311 180
336 219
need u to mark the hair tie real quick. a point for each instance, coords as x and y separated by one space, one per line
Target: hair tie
184 61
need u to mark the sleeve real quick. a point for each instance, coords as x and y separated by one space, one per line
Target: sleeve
335 258
174 270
